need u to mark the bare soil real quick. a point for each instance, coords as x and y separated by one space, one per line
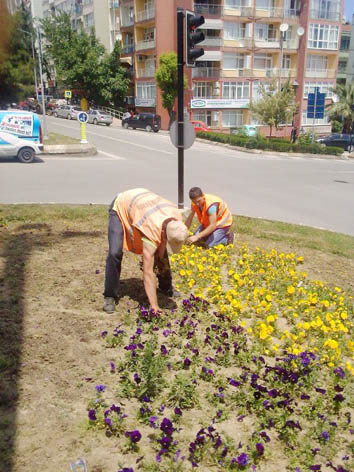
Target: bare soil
51 283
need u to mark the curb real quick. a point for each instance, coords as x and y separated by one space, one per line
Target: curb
83 150
343 157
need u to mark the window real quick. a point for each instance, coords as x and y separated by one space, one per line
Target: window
317 63
210 118
286 61
262 61
88 20
149 34
342 66
237 3
236 90
325 87
265 4
202 90
344 43
325 9
233 30
146 90
256 90
264 32
234 61
310 121
323 36
231 118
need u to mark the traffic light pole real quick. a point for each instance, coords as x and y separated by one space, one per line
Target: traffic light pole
180 106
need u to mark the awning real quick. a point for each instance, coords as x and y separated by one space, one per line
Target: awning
212 24
210 56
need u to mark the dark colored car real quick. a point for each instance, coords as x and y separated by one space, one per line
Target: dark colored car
148 121
345 141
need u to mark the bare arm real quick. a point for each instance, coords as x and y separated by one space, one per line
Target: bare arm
189 219
149 277
208 230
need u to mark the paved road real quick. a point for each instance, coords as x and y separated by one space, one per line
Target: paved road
315 192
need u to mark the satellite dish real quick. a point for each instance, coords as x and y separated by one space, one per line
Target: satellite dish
284 27
335 98
300 31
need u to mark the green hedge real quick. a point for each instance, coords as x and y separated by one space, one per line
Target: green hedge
259 142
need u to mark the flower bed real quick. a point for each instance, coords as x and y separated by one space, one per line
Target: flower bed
276 144
251 372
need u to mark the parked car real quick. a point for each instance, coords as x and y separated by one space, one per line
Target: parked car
20 135
148 121
345 141
67 111
200 126
97 116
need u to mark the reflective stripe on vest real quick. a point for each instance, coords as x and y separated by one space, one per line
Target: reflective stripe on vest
223 215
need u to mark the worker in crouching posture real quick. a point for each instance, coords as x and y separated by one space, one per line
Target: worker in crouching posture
215 219
144 223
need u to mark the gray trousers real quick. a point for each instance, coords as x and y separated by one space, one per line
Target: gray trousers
115 256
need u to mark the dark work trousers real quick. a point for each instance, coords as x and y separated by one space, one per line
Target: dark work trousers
115 256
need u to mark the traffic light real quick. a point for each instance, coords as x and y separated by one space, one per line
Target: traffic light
193 37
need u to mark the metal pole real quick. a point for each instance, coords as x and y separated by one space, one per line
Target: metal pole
281 59
34 67
45 136
180 102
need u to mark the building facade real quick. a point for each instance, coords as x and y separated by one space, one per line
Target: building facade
246 42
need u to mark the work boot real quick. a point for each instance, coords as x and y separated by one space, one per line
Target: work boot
109 305
230 237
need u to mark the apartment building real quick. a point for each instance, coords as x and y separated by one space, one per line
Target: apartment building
102 15
246 42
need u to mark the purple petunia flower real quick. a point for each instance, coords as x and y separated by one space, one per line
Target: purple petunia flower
233 382
115 408
242 459
92 415
134 436
126 469
325 435
187 362
166 426
315 467
273 393
340 372
166 332
137 379
113 367
152 421
265 436
108 422
338 398
165 442
104 334
100 388
177 411
163 350
161 408
260 449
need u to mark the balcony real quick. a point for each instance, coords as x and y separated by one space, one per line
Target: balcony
212 41
320 73
127 21
127 48
205 73
114 4
238 11
145 72
208 9
319 14
291 43
271 42
142 45
145 15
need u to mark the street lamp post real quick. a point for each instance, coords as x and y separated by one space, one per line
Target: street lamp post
45 136
34 61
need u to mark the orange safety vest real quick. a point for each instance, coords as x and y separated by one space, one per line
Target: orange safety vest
223 214
142 213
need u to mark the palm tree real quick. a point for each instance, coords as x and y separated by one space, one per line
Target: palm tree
344 106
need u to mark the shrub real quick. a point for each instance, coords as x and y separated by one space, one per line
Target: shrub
337 126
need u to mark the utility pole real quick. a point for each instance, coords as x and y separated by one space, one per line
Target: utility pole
45 134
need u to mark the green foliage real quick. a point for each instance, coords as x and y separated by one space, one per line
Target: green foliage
336 126
259 142
183 392
16 61
166 79
81 61
274 107
343 107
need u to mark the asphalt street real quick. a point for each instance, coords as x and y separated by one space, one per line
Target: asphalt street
311 191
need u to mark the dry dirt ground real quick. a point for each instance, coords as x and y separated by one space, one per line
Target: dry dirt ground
51 281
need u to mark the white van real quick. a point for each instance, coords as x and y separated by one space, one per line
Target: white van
20 135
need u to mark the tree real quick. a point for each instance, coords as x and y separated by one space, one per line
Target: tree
16 61
167 80
275 106
81 61
343 107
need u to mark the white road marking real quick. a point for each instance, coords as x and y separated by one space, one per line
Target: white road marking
124 141
118 158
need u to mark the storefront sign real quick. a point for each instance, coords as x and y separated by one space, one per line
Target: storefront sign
145 102
218 103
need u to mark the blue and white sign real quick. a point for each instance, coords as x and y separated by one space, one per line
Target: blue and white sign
316 104
82 117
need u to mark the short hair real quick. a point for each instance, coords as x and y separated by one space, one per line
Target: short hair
195 192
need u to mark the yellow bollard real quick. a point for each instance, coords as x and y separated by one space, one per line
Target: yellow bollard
83 133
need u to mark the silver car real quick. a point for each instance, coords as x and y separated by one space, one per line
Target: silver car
97 116
67 111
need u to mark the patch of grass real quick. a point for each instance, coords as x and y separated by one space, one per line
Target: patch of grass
56 138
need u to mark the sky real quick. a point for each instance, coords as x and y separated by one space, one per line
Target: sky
348 9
